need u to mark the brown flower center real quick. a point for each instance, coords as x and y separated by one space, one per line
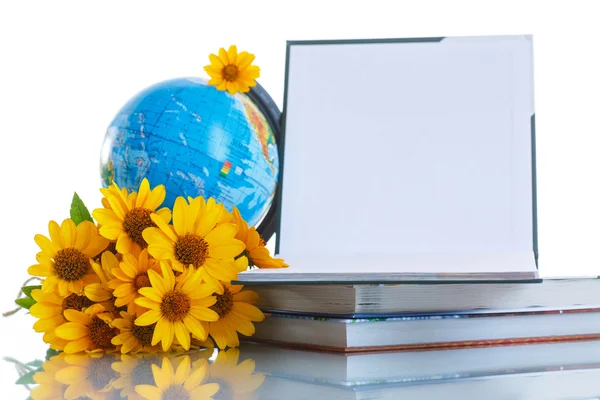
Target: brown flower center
175 306
143 334
100 372
75 302
71 264
141 280
191 249
135 222
101 334
142 373
176 392
224 303
230 72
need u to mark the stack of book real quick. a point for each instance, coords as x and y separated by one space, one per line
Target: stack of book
362 317
407 211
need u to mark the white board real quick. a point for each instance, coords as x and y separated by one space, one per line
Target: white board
399 155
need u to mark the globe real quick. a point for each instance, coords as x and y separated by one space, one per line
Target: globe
197 141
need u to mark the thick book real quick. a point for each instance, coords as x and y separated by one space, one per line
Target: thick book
430 176
359 300
419 367
427 331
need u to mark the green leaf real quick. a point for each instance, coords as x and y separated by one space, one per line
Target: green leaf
79 211
27 290
27 379
36 363
25 302
51 353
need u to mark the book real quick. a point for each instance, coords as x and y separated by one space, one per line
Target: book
427 331
364 299
419 367
428 177
572 384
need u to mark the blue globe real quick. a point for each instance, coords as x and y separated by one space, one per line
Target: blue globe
197 141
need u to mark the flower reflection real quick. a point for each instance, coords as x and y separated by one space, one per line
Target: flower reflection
181 383
197 374
237 381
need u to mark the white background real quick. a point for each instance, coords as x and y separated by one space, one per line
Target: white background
67 67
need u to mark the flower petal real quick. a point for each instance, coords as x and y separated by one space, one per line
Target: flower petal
148 318
78 345
148 392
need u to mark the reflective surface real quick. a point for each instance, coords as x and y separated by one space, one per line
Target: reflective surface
561 370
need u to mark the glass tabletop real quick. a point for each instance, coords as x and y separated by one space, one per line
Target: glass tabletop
560 370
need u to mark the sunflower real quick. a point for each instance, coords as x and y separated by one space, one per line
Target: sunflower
236 381
232 71
134 370
129 215
49 309
101 291
129 277
88 376
48 387
181 384
176 308
133 338
236 314
89 330
196 239
65 258
258 255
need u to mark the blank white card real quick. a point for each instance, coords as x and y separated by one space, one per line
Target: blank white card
410 157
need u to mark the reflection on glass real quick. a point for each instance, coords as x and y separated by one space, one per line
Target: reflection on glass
194 375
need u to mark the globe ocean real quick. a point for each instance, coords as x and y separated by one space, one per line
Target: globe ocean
197 141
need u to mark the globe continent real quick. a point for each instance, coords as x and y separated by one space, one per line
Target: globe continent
197 141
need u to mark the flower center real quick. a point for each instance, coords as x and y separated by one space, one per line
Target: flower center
224 303
142 373
71 264
230 72
75 302
101 334
143 334
175 306
100 372
141 280
135 222
175 392
191 249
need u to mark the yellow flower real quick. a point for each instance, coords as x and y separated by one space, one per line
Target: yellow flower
129 277
196 239
236 314
101 291
88 376
65 257
232 71
49 309
48 387
176 308
181 384
258 255
129 215
236 381
133 338
87 330
134 369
